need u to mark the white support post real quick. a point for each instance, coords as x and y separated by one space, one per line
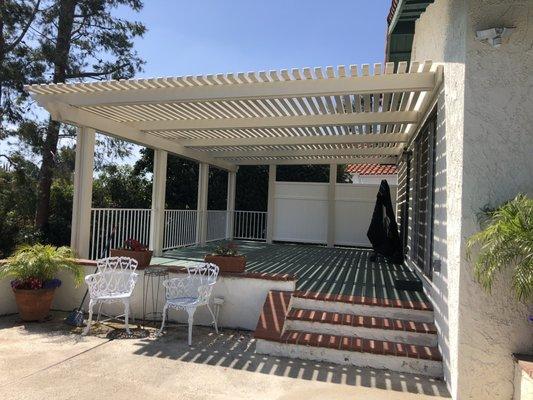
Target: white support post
157 221
201 220
271 202
83 192
331 205
230 204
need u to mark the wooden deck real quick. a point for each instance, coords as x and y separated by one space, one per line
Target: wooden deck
347 271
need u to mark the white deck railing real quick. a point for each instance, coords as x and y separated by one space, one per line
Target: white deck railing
180 227
250 225
125 222
216 224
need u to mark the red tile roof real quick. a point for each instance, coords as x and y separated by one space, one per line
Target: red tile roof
372 169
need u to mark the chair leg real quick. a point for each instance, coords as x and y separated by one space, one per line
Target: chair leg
99 312
90 319
190 312
163 318
214 318
126 315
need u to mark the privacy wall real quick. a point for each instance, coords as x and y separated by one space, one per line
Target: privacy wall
302 212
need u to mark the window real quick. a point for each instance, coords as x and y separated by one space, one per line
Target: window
422 168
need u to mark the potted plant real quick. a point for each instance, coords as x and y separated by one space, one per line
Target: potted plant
506 241
136 250
33 269
227 258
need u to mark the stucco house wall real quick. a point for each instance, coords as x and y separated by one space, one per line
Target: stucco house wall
484 156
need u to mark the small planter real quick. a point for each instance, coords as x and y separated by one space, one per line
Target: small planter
34 305
143 257
227 263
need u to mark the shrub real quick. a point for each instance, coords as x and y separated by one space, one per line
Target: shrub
506 241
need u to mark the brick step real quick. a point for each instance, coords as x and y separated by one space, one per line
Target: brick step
386 329
348 350
364 306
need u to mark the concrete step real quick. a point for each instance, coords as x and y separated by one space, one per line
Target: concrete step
385 329
347 350
364 306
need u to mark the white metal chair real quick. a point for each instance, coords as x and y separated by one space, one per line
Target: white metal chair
191 291
113 281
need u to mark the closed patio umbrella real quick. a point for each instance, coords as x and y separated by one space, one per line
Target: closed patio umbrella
383 230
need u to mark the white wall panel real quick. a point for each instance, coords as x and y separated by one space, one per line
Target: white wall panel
302 210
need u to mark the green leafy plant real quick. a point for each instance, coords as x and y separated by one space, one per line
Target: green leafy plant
506 241
35 267
228 250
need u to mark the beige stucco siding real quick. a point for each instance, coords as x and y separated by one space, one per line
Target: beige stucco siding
484 156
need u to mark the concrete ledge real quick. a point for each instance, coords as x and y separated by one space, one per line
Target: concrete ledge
395 363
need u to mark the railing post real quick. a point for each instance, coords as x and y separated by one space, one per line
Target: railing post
230 204
271 202
331 205
157 220
83 192
201 221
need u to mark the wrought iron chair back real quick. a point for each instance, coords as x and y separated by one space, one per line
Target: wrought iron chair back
115 275
198 283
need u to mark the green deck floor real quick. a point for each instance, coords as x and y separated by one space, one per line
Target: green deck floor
319 269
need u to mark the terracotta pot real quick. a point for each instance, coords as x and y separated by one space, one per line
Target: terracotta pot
143 257
227 263
34 305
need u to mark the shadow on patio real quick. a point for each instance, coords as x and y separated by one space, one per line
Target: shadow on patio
235 350
339 270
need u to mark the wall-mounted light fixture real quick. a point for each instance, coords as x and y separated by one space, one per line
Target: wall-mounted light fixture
494 36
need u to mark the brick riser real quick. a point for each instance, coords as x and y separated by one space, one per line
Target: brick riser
385 329
363 309
285 328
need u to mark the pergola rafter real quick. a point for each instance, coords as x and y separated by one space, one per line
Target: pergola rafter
226 120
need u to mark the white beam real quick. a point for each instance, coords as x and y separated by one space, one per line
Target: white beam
387 117
230 204
201 219
157 220
293 88
78 117
297 140
349 152
83 189
271 203
326 160
331 205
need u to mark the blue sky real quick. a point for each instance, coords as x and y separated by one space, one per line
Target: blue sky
203 37
214 36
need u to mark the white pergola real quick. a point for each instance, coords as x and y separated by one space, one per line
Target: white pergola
302 116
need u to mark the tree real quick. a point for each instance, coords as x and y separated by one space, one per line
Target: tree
18 62
82 39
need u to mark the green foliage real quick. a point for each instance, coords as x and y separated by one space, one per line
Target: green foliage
310 173
17 203
19 62
506 241
227 250
42 262
120 187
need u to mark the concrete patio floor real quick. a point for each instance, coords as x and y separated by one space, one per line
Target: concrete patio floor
50 361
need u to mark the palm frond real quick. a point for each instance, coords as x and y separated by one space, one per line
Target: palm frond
42 262
506 240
